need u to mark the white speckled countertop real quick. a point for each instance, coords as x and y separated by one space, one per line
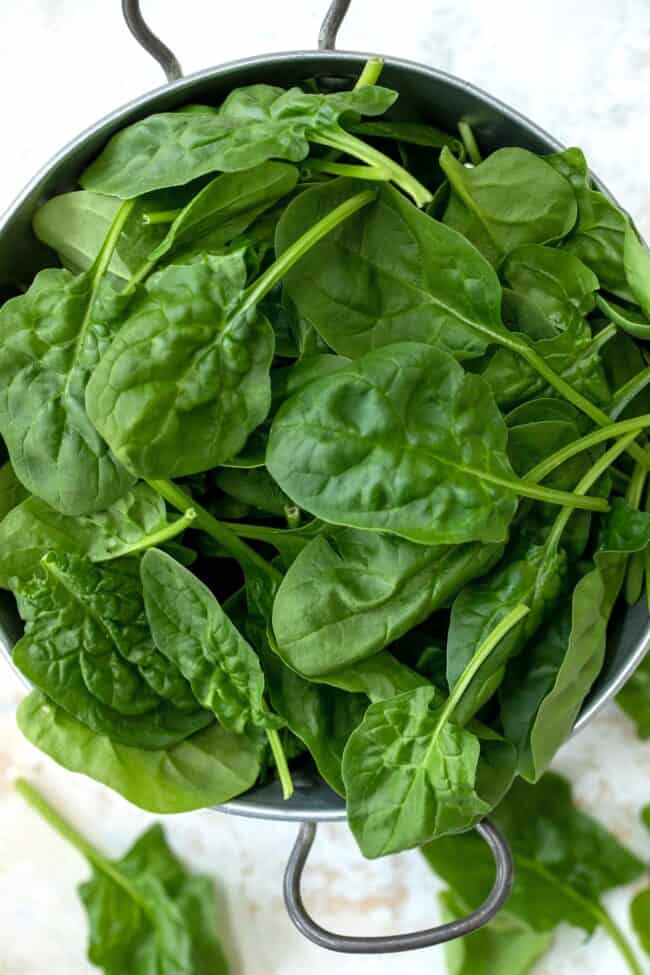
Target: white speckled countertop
581 69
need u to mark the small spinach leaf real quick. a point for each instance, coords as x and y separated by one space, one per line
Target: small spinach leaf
560 285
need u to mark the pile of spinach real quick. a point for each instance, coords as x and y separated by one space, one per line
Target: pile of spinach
314 459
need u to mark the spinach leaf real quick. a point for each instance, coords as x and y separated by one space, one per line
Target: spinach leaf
625 318
221 211
199 639
559 284
640 907
413 133
506 944
598 240
87 646
255 487
535 578
636 260
145 910
411 774
423 458
186 379
12 491
52 337
255 123
389 274
206 769
32 529
322 717
634 698
76 224
571 164
564 860
350 593
512 198
379 677
574 355
544 689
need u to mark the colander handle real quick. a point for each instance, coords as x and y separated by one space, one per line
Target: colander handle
396 942
170 63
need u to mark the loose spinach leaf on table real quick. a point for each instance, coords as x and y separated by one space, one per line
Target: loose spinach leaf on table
492 204
425 459
88 647
505 945
52 338
640 907
349 594
32 529
255 123
207 768
145 911
564 861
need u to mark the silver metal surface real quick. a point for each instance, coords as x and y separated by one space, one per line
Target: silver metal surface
504 875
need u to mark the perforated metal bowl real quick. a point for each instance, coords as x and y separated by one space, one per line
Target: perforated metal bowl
425 94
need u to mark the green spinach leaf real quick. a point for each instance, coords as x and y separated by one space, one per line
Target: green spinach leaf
560 285
512 198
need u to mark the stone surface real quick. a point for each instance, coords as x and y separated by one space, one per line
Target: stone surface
581 70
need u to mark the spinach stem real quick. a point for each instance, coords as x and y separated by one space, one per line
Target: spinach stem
267 281
170 530
292 515
369 76
492 640
592 475
615 316
100 268
469 141
614 430
280 763
550 495
160 216
239 550
628 392
39 803
337 138
573 396
634 491
371 72
379 174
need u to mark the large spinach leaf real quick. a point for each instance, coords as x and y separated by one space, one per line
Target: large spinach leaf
12 491
255 123
410 773
349 594
403 441
145 911
599 239
186 380
389 274
564 861
208 768
88 647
